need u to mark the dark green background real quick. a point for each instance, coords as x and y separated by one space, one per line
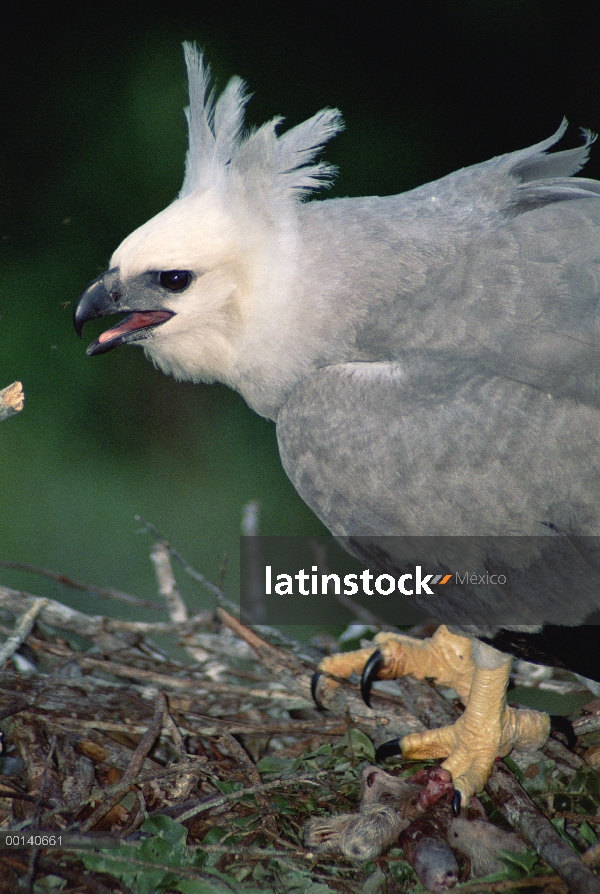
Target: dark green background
92 142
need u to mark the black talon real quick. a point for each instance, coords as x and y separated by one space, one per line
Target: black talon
314 683
456 802
369 674
388 749
559 724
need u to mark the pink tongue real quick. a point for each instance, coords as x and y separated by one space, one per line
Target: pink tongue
135 321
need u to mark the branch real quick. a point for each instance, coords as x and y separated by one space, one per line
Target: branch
92 626
11 400
516 807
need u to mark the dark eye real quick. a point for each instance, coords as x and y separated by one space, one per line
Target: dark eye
175 280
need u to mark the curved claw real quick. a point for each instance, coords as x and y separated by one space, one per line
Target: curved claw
314 685
456 802
388 749
559 724
369 674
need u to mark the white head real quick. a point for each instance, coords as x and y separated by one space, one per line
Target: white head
206 281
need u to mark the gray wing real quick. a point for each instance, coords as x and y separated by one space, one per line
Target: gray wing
497 265
434 450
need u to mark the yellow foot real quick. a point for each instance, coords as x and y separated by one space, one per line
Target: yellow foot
445 658
488 729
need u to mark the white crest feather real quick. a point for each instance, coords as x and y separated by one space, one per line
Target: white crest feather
282 165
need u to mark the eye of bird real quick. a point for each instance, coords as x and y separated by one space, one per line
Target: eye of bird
175 280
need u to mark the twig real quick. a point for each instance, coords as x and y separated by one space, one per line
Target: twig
257 853
45 774
22 630
135 765
220 800
11 400
91 626
103 592
516 807
78 877
166 583
272 632
252 603
236 750
136 815
119 789
21 796
191 683
212 588
168 590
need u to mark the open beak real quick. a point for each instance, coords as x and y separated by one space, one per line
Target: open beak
109 295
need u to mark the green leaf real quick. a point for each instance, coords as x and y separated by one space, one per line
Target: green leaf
228 786
282 766
166 828
359 744
559 825
514 768
588 834
214 835
525 861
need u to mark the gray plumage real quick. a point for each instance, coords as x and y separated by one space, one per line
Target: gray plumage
431 359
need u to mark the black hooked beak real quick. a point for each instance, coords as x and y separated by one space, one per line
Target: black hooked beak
108 295
99 299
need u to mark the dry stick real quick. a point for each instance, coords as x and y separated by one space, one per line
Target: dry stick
32 742
166 583
119 789
21 796
135 764
214 801
11 400
103 592
172 728
212 588
22 630
254 603
272 632
259 853
517 808
56 614
45 773
168 590
238 752
14 707
191 683
136 815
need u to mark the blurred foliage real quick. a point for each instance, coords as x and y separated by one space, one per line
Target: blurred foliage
92 145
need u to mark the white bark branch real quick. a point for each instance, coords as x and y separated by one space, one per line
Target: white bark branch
11 400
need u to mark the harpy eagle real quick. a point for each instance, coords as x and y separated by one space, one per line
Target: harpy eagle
431 361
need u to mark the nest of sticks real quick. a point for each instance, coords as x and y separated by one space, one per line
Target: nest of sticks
104 734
